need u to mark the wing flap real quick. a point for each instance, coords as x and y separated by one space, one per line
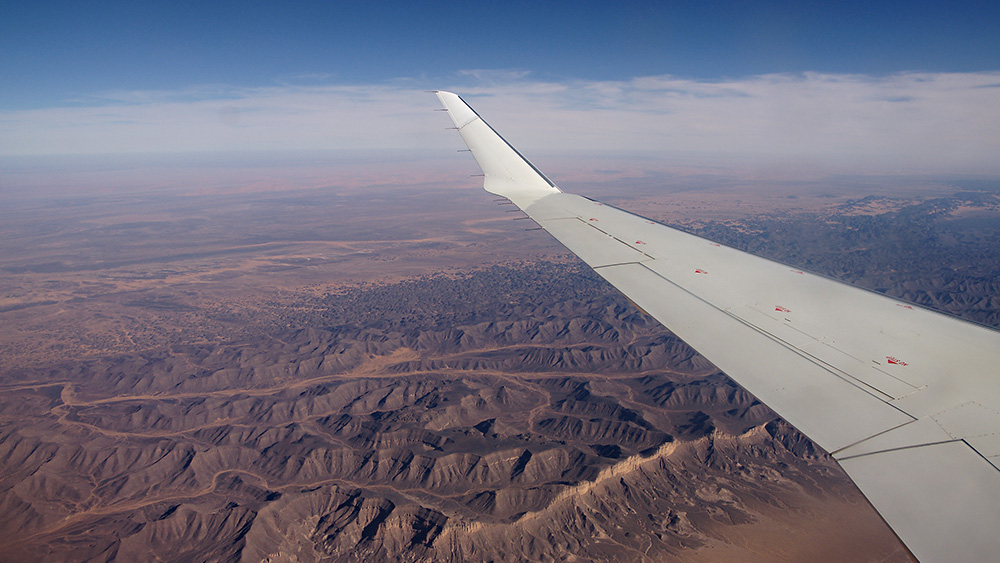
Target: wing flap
943 500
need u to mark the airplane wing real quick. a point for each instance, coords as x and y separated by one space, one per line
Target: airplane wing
906 399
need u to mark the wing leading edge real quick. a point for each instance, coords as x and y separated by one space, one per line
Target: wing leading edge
906 399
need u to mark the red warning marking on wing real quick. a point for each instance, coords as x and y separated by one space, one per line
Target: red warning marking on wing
639 242
700 271
800 272
593 219
781 309
904 306
714 244
896 361
651 222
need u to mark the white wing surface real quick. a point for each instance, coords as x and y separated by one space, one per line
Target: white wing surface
906 399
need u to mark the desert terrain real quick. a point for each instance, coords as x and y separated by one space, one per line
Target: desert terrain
347 374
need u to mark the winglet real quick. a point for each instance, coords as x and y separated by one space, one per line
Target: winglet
507 173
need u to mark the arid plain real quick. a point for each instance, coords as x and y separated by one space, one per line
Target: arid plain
377 373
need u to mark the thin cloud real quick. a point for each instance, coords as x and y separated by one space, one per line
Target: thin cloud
495 76
923 122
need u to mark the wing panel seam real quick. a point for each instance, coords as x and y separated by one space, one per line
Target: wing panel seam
609 235
910 447
613 265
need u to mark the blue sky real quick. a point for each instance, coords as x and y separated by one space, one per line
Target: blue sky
53 52
807 78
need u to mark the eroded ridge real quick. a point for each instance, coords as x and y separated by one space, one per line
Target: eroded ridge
505 431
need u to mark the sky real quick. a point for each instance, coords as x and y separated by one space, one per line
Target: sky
881 86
